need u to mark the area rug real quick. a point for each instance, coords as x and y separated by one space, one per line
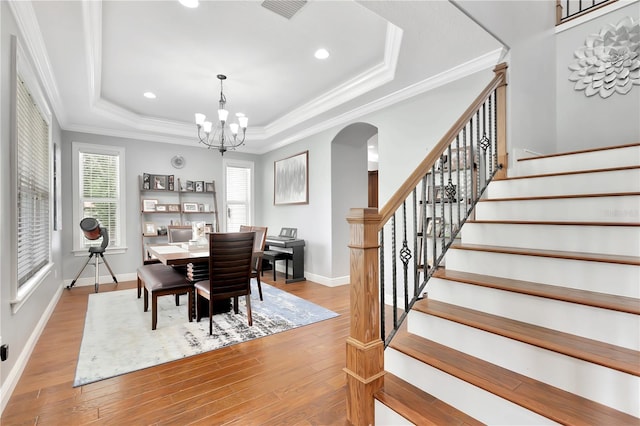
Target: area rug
118 339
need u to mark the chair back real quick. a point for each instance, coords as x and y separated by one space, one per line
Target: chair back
179 233
230 257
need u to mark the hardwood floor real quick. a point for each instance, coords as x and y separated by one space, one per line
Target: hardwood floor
290 378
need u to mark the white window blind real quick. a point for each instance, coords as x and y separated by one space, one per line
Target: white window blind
33 186
238 196
99 190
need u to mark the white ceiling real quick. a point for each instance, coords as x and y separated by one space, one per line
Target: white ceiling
99 57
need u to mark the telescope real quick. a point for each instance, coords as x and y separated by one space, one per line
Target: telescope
92 231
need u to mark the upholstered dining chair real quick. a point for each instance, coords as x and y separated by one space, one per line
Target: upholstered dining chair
179 233
258 250
230 256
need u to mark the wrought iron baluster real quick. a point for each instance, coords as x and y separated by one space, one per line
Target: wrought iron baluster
394 270
405 257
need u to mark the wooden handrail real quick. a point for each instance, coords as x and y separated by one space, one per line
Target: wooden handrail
423 168
561 20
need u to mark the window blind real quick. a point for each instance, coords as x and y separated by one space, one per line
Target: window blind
33 186
238 194
100 192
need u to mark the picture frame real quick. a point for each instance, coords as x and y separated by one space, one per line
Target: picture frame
189 185
149 229
459 157
149 205
291 180
430 225
146 181
161 208
159 182
440 195
209 187
199 186
190 207
171 183
174 208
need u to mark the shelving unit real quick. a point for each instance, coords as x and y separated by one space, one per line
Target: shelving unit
160 208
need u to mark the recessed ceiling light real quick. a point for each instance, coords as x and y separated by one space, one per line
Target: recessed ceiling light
149 95
189 3
322 54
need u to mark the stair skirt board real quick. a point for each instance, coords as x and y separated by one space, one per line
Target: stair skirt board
601 182
613 327
619 209
618 157
602 277
613 388
386 416
476 402
602 239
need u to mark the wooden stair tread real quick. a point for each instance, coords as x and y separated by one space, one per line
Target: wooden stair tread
573 172
607 355
553 197
418 406
581 151
592 257
560 223
590 298
554 403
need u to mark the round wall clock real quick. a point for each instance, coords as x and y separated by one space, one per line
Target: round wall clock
177 161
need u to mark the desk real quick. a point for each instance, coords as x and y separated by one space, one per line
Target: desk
296 248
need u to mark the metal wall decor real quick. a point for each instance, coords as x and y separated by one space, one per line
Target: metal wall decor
609 62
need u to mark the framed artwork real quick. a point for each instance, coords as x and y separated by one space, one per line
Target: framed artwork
438 225
209 187
173 208
291 180
159 182
171 183
199 186
146 181
149 205
190 207
149 229
189 185
460 157
440 195
161 208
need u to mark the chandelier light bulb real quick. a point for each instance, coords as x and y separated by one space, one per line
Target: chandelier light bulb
207 125
200 118
223 114
234 128
243 121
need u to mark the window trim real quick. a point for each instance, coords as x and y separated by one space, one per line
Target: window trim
252 201
78 237
21 66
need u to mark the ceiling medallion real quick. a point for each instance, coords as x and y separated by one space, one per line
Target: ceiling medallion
177 161
610 60
217 138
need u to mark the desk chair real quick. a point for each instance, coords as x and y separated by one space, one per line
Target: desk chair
258 250
230 256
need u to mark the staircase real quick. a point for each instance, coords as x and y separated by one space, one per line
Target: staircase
536 317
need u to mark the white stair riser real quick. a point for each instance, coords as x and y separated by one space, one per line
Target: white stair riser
601 277
385 416
616 328
621 209
477 403
614 240
604 385
622 157
583 183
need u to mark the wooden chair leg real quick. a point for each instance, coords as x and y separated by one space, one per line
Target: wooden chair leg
139 287
274 270
146 299
259 286
190 306
247 298
210 316
154 311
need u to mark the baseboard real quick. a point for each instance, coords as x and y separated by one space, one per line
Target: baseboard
9 385
326 281
105 279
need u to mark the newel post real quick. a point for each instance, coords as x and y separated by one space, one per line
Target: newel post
501 121
365 349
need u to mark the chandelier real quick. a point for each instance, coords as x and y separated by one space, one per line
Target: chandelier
218 138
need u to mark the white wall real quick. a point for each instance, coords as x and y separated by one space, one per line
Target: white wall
19 330
588 122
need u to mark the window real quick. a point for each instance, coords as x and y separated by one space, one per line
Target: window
31 179
98 192
238 194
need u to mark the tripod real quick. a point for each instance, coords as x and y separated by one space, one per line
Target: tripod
97 253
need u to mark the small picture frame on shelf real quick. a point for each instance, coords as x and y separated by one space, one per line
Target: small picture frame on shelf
429 228
149 205
199 186
161 207
209 187
201 208
174 208
189 185
146 181
190 207
208 228
171 183
149 229
159 182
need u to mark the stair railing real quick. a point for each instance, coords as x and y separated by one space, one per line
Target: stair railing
567 10
394 251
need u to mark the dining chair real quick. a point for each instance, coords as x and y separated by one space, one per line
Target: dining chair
258 251
179 233
230 256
